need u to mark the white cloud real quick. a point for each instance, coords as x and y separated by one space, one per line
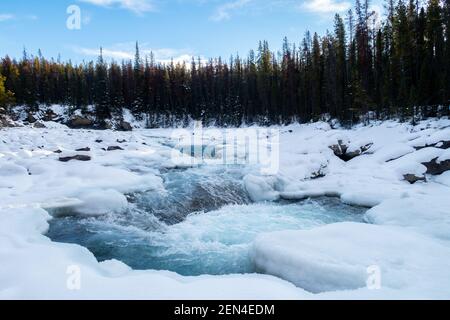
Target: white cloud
126 51
107 53
326 6
6 17
225 11
137 6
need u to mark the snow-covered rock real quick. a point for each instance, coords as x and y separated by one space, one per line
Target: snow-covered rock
261 188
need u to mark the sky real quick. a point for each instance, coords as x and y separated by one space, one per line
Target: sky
178 29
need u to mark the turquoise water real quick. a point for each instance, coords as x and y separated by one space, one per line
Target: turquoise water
204 224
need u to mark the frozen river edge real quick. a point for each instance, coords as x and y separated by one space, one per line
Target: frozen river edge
407 242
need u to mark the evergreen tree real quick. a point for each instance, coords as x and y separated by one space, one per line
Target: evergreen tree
101 96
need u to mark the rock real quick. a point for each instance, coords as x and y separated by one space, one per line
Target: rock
4 122
121 141
7 122
57 151
79 122
319 173
340 150
440 145
443 145
87 149
114 148
31 118
98 141
79 157
412 178
125 126
39 125
436 168
50 116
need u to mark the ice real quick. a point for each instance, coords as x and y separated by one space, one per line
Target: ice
427 214
337 257
261 188
101 202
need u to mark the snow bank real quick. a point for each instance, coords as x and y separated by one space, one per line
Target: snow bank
261 188
100 202
337 257
427 214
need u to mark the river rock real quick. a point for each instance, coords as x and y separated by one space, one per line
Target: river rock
31 118
114 148
79 122
340 150
412 178
39 125
436 168
125 126
78 157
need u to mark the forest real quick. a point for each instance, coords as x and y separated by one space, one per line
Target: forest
396 65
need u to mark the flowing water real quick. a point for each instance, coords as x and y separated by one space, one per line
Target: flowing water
204 224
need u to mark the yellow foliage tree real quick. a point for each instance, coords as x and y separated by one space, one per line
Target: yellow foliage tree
6 96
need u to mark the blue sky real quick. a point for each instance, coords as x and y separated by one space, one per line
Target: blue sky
170 28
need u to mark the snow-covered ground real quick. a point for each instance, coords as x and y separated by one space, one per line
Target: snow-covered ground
405 242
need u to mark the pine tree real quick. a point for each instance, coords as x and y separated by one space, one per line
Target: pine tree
101 96
447 56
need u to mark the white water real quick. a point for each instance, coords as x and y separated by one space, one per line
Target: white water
216 242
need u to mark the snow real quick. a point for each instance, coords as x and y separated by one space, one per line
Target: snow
444 156
406 234
102 202
425 214
261 188
444 178
337 257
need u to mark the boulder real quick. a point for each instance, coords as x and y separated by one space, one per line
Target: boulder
50 116
412 178
31 118
340 150
39 125
80 122
6 122
78 157
87 149
114 148
436 168
441 145
125 126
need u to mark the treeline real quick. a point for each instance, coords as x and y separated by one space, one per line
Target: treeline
395 66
